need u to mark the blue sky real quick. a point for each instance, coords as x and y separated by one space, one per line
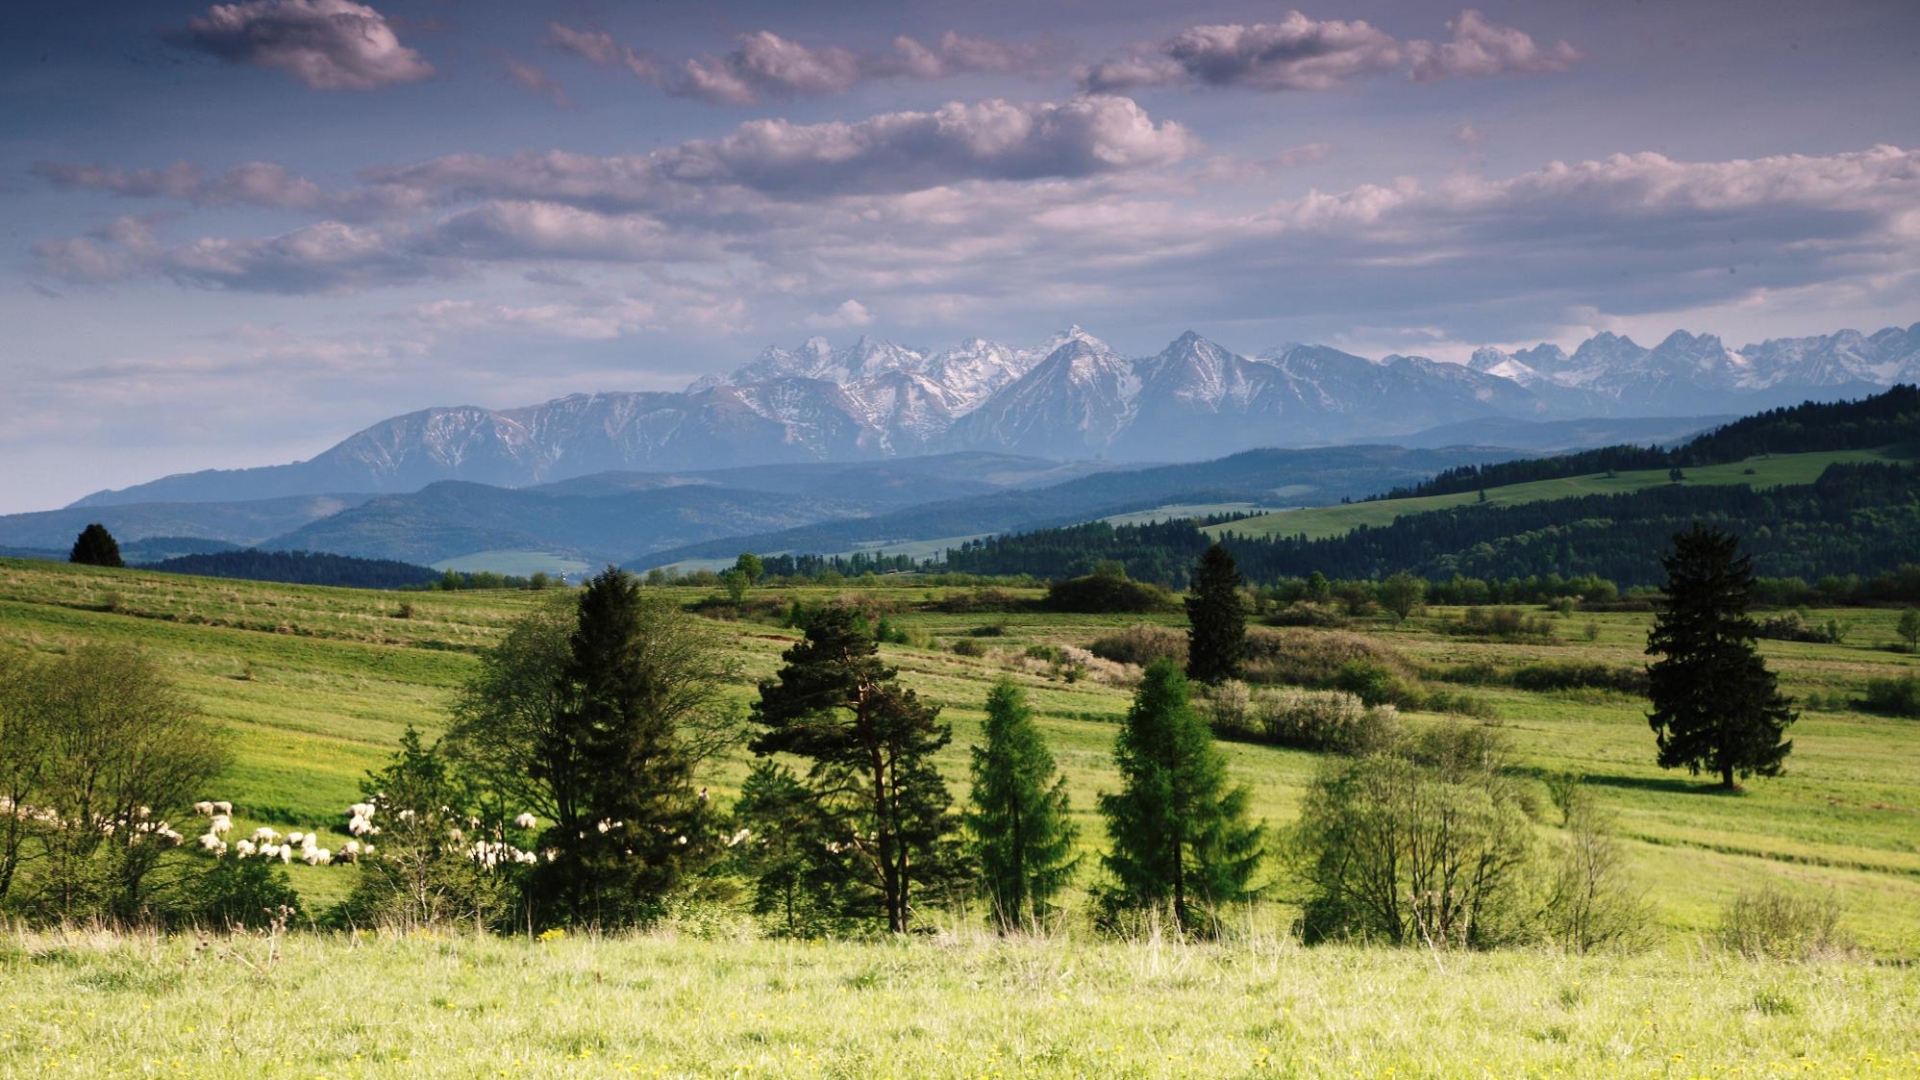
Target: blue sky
236 233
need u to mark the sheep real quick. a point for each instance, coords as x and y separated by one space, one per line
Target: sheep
526 820
244 848
265 835
222 807
316 856
361 827
204 809
212 842
296 838
220 825
360 809
286 853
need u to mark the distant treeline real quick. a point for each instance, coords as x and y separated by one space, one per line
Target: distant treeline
1859 520
1888 419
321 568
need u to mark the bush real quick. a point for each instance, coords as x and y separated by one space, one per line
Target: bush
1458 703
1310 658
1580 675
1306 613
1320 720
968 647
1793 626
1369 681
1142 645
1892 697
1505 624
1107 594
980 601
235 893
1766 923
998 629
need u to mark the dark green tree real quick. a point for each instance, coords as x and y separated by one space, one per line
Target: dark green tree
627 819
1017 822
780 844
1217 616
1181 838
882 806
1909 628
1402 594
1715 704
95 546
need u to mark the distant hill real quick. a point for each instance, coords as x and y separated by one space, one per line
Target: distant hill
236 523
300 568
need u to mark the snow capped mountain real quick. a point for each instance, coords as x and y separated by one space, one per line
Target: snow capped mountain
1072 397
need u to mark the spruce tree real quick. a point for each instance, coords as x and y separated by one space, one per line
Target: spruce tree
627 818
1715 704
1181 838
883 806
95 546
1217 638
1021 836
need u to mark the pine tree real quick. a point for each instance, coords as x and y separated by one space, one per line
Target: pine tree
1217 638
1021 836
1181 837
627 817
1715 704
95 546
885 808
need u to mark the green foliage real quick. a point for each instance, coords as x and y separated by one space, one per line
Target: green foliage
1427 844
1402 594
1216 619
95 546
1768 923
1591 901
1181 839
506 715
736 581
1892 696
781 845
1909 628
882 806
750 565
1371 682
1141 644
1715 704
1022 837
233 894
1106 592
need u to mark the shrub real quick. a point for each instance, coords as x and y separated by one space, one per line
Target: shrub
1892 697
1793 626
1591 903
1505 624
1142 645
1311 658
1107 594
1051 654
1580 675
968 647
1457 703
1306 613
234 893
997 629
1766 923
1322 720
1369 681
1227 707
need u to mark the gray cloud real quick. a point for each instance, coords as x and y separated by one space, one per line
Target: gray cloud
326 44
1479 49
763 66
255 183
1300 53
536 81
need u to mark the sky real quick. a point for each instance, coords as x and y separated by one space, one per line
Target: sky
234 234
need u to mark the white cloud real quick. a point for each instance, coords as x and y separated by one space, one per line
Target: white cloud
597 47
851 313
536 81
326 44
1479 49
255 183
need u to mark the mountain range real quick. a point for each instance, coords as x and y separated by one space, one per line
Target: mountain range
1071 397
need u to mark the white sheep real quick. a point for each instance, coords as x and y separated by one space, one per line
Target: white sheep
222 807
286 853
526 820
265 835
212 842
204 809
317 856
296 838
361 827
220 825
244 848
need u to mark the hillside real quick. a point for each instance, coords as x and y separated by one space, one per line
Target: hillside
317 684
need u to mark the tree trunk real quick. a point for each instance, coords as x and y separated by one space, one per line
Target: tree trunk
1726 778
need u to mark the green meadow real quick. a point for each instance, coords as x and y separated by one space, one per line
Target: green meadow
315 685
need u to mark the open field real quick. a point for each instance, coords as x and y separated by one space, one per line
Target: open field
520 563
316 686
959 1006
1320 522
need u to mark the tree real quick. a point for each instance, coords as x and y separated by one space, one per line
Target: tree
1402 594
749 564
735 581
1715 704
627 819
1217 619
782 848
881 806
24 738
506 713
1181 838
95 546
1909 628
1021 836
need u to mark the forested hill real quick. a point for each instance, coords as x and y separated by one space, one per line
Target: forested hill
1888 419
301 568
1856 519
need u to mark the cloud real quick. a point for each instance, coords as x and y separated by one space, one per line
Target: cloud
848 314
535 81
326 44
763 66
597 47
1468 135
255 183
1296 53
1479 50
1300 53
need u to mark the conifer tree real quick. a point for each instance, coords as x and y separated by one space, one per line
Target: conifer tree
95 546
1715 704
1021 836
627 818
1217 616
1181 838
883 807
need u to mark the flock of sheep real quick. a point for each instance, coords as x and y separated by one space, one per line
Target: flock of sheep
268 843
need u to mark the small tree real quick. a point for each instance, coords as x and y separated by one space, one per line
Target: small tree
1217 617
735 581
882 806
1402 594
95 546
1909 628
1715 704
1181 838
784 848
1021 835
749 564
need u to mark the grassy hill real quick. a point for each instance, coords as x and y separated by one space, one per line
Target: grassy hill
1320 522
317 684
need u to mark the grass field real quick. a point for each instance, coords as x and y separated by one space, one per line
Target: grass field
956 1007
1320 522
316 686
518 563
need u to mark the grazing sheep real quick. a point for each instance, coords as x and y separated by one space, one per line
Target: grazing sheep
265 835
296 838
526 820
204 809
244 848
220 825
212 842
223 807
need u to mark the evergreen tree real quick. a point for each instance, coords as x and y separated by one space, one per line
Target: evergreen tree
95 546
627 819
1021 836
783 849
1715 704
883 807
1217 639
1180 835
